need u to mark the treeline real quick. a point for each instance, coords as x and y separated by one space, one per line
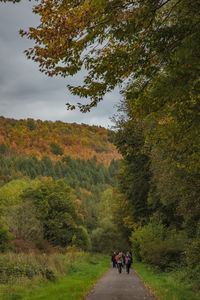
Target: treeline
75 172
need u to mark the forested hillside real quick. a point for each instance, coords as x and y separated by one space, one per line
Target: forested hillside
56 139
53 178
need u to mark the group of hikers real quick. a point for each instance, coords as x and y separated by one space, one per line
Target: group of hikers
119 260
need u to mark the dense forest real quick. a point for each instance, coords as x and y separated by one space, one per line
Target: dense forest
42 184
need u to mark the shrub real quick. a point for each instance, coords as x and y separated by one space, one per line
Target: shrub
162 253
14 266
144 235
157 245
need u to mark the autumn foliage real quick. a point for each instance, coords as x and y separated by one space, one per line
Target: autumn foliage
56 139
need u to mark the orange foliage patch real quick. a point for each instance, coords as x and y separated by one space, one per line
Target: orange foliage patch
78 141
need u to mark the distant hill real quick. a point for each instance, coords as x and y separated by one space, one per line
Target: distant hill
56 139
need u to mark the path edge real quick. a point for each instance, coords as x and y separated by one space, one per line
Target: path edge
86 295
146 285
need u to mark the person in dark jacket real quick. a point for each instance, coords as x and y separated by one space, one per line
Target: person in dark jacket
114 260
128 262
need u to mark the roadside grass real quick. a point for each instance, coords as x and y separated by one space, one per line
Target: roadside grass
81 273
165 286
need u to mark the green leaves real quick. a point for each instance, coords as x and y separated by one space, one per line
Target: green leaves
56 210
113 40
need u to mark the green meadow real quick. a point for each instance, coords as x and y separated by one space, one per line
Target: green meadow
68 276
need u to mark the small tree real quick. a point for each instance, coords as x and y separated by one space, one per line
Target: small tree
56 149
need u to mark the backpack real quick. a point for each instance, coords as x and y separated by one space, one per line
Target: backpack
128 260
119 257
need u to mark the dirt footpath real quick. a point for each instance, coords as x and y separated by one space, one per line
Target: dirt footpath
115 286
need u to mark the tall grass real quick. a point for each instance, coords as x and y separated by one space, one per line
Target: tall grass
166 286
69 276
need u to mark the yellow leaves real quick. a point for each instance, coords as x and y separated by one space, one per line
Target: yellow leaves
78 141
180 166
164 121
128 223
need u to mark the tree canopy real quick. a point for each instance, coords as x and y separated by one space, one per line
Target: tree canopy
56 210
117 42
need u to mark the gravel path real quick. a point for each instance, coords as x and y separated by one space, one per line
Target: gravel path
115 286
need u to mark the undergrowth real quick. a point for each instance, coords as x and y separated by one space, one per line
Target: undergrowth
180 283
53 277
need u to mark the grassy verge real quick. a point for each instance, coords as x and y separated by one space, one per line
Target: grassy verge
165 286
75 276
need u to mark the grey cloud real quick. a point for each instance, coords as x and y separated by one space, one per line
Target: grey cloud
24 91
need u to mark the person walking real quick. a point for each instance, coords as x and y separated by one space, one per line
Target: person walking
119 262
128 262
114 263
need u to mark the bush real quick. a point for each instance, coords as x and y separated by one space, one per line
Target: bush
163 253
14 266
144 235
10 271
157 245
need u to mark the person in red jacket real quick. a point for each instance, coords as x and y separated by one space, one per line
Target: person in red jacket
119 259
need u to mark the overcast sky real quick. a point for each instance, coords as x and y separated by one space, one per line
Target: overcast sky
27 93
